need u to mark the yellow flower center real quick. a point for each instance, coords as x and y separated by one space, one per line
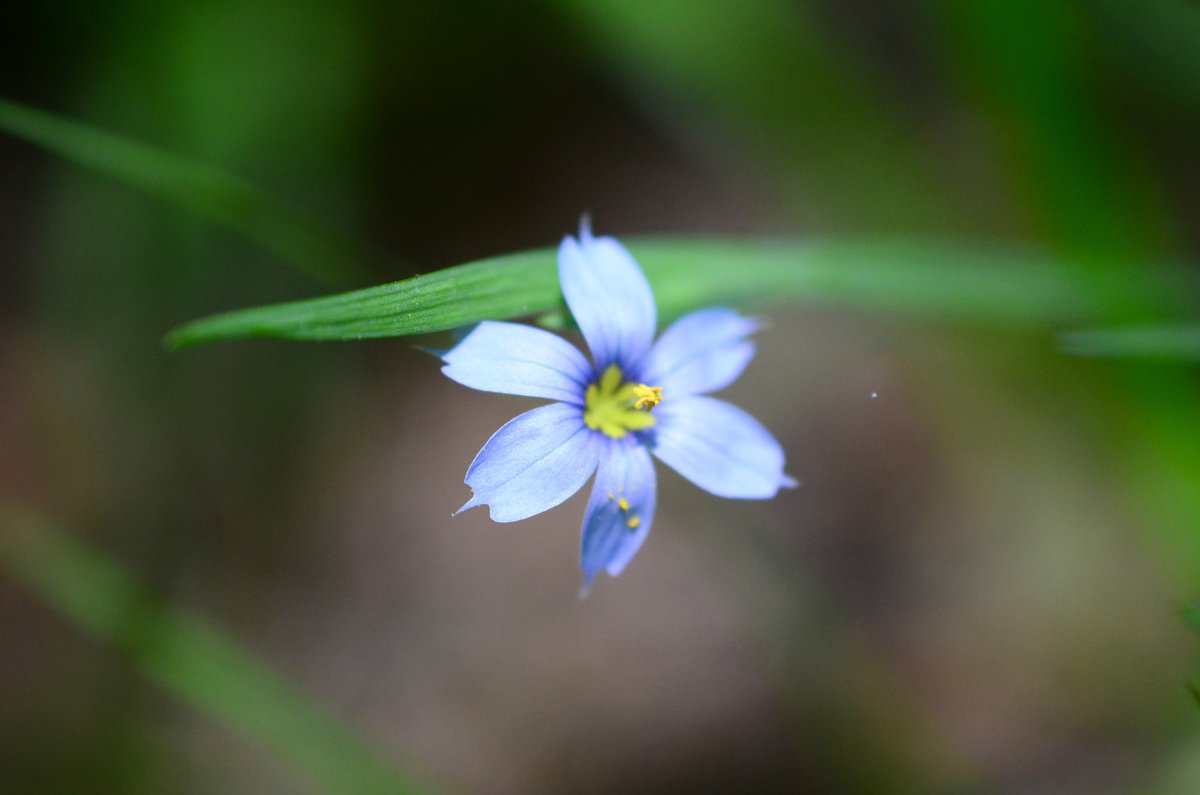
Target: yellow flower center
615 407
647 396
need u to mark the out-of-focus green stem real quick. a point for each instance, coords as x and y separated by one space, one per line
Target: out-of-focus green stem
1174 342
188 656
1026 62
302 241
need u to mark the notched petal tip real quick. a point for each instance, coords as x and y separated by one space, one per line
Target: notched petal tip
439 353
474 502
786 481
534 462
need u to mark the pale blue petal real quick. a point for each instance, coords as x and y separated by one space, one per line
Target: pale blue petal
719 447
701 352
533 463
609 298
519 360
626 473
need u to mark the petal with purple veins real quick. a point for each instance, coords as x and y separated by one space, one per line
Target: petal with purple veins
719 447
621 508
534 462
519 360
609 298
701 352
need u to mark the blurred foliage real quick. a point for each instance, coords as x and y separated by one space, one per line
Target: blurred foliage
187 656
771 75
1158 342
293 238
448 132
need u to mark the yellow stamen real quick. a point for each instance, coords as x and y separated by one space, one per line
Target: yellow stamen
612 406
633 522
647 396
623 504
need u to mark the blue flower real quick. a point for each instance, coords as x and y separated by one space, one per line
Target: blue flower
636 398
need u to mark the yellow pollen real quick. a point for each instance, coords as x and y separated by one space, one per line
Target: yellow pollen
613 406
633 522
647 397
623 504
610 495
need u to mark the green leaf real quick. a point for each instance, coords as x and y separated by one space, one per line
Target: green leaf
1171 341
997 286
294 237
188 656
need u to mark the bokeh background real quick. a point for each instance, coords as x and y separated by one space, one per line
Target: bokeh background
976 590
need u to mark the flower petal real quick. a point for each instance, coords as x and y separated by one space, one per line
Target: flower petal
519 360
621 509
719 447
701 352
609 298
534 462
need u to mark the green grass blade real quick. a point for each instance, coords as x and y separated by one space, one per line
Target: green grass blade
1174 341
188 657
998 286
298 239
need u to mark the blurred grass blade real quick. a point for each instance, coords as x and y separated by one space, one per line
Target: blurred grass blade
301 241
1180 342
998 286
775 75
1031 63
1190 614
188 656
